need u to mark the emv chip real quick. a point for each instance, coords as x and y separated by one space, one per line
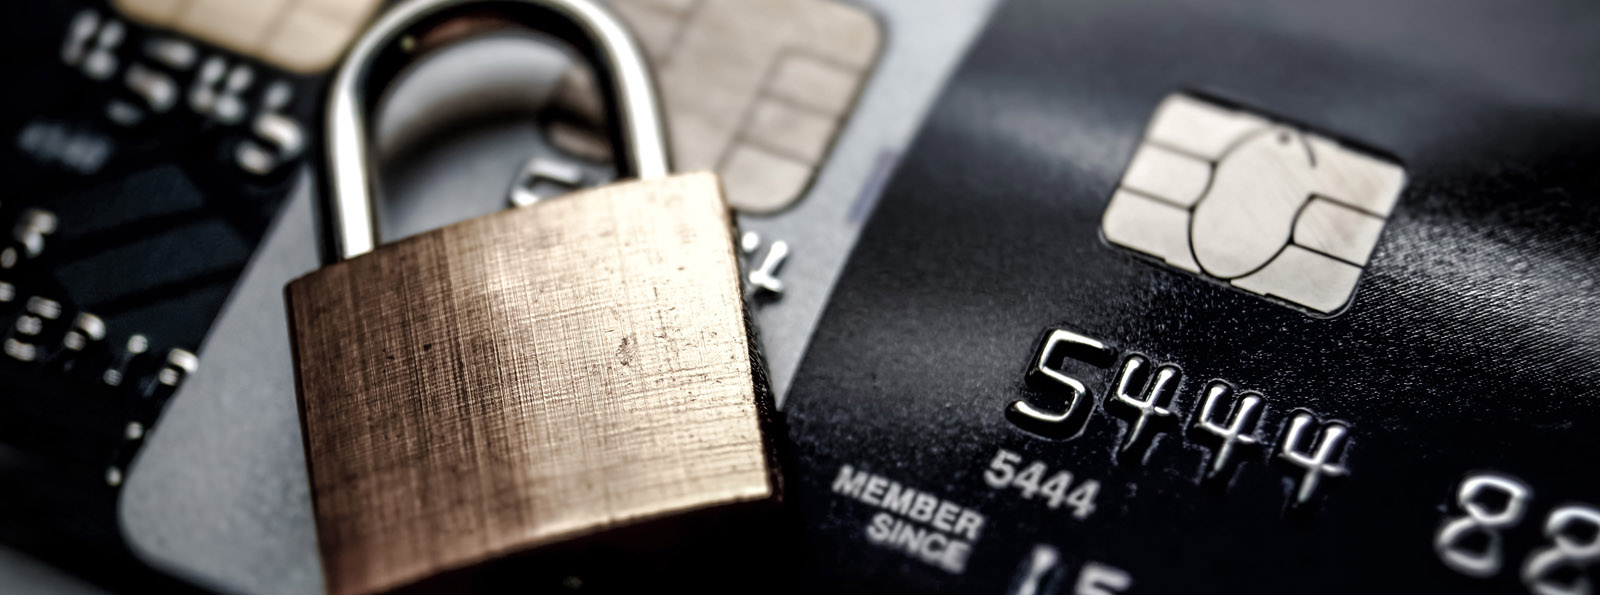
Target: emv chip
755 90
1267 208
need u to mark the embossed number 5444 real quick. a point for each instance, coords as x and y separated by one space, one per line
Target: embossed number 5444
1030 481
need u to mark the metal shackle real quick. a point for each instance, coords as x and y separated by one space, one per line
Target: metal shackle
619 66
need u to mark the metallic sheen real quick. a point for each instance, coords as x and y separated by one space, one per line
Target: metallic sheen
525 378
620 61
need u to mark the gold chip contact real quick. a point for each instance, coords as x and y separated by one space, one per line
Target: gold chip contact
304 36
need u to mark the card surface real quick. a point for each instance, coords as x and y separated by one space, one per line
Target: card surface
1046 369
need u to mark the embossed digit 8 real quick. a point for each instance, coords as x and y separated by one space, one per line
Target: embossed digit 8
1570 546
1479 519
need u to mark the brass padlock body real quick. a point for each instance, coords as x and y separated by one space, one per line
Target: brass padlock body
527 377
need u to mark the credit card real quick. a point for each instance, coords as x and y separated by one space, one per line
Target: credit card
1175 297
143 168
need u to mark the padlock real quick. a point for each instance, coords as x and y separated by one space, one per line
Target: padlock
547 373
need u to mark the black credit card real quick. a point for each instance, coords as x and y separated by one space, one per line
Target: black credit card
143 168
1225 297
